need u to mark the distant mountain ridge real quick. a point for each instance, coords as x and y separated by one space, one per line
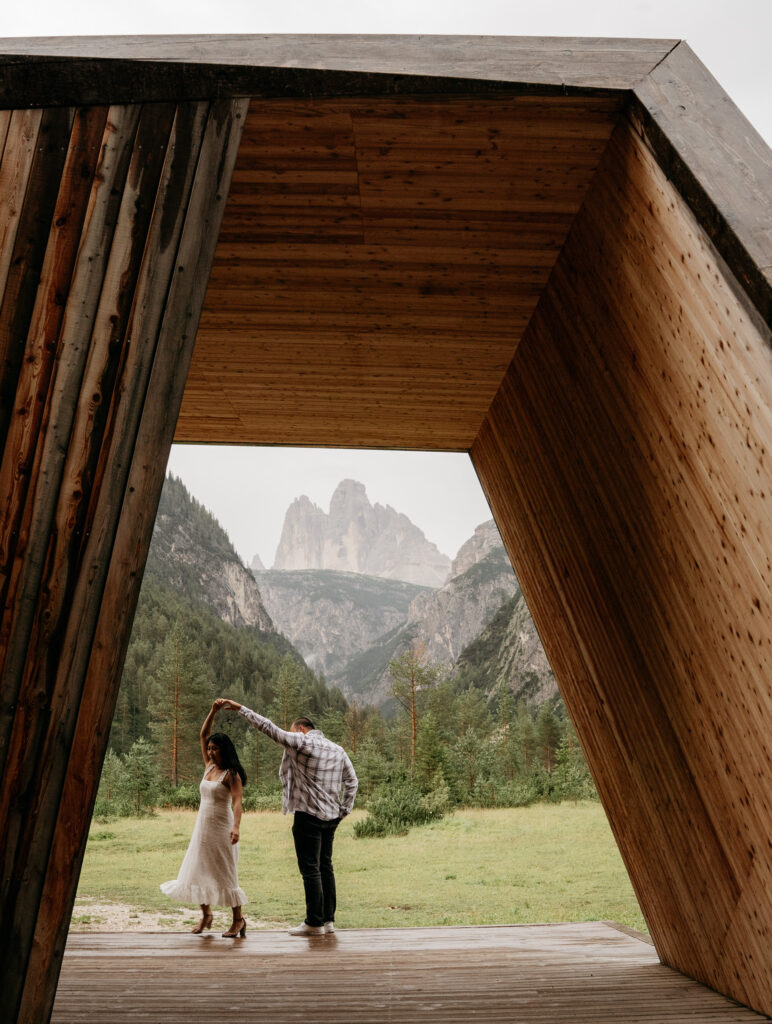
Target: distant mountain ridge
356 536
192 553
330 616
508 654
444 621
349 625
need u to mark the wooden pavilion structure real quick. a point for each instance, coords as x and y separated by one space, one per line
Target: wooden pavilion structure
553 254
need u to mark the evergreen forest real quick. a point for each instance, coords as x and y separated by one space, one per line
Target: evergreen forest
443 744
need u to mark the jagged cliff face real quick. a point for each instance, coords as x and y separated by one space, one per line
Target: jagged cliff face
508 655
443 622
192 553
356 536
477 625
450 618
331 616
486 538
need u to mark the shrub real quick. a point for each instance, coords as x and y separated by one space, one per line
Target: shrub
571 779
185 796
437 801
396 806
522 793
261 799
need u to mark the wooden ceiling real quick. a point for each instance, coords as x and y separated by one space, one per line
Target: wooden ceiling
378 263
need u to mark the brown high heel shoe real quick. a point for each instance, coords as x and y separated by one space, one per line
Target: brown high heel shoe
205 922
238 928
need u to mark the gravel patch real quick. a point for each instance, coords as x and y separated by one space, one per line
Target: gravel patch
91 915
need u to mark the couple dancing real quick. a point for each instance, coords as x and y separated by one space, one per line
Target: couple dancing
313 772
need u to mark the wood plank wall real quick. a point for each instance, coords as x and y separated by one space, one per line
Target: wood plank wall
108 224
627 461
379 261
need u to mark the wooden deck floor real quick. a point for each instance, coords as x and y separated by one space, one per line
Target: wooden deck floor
576 973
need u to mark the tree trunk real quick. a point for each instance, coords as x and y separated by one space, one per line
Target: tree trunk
175 721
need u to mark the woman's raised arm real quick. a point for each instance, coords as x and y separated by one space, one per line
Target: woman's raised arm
206 728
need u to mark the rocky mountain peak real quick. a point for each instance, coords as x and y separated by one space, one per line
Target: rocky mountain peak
192 553
356 536
485 538
348 495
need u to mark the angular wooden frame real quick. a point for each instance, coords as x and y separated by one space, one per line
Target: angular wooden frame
624 448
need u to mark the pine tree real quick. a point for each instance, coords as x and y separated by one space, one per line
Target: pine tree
525 738
430 752
112 785
285 707
371 767
180 698
140 778
548 733
472 712
411 678
331 724
506 711
572 777
355 726
471 754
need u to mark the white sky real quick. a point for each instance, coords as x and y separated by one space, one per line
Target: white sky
249 489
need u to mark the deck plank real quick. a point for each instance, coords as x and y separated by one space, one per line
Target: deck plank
533 974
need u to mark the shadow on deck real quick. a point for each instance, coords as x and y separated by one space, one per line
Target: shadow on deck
531 974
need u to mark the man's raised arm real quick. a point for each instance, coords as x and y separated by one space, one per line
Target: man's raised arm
281 736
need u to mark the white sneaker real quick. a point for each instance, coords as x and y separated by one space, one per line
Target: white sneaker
328 927
307 929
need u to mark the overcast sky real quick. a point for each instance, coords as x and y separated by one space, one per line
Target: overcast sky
249 489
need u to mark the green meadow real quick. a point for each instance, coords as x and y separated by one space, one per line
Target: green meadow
546 862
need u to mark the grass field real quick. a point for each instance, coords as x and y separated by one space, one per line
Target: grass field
512 866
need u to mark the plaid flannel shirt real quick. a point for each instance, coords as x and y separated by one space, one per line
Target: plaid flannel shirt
313 770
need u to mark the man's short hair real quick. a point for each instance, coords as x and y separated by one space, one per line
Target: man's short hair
305 722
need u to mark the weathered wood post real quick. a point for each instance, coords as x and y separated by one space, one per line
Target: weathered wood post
105 250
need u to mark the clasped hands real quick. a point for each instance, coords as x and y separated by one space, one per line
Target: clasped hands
223 702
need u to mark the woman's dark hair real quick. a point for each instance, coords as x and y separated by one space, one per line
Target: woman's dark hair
228 755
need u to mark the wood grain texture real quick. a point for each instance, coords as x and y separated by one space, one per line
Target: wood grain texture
127 252
718 162
389 265
378 263
181 240
123 69
626 459
589 973
18 135
26 499
30 236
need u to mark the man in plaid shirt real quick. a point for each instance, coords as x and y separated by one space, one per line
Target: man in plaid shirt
313 771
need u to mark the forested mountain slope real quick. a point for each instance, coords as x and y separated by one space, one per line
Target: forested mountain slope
332 616
191 553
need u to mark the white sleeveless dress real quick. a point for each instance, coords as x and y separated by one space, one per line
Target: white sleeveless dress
209 871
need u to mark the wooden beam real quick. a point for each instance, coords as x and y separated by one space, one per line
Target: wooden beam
379 261
624 453
27 498
718 162
33 158
124 69
91 510
626 460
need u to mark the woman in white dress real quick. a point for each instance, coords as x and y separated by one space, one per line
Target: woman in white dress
209 872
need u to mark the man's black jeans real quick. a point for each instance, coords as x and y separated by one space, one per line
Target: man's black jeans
313 846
